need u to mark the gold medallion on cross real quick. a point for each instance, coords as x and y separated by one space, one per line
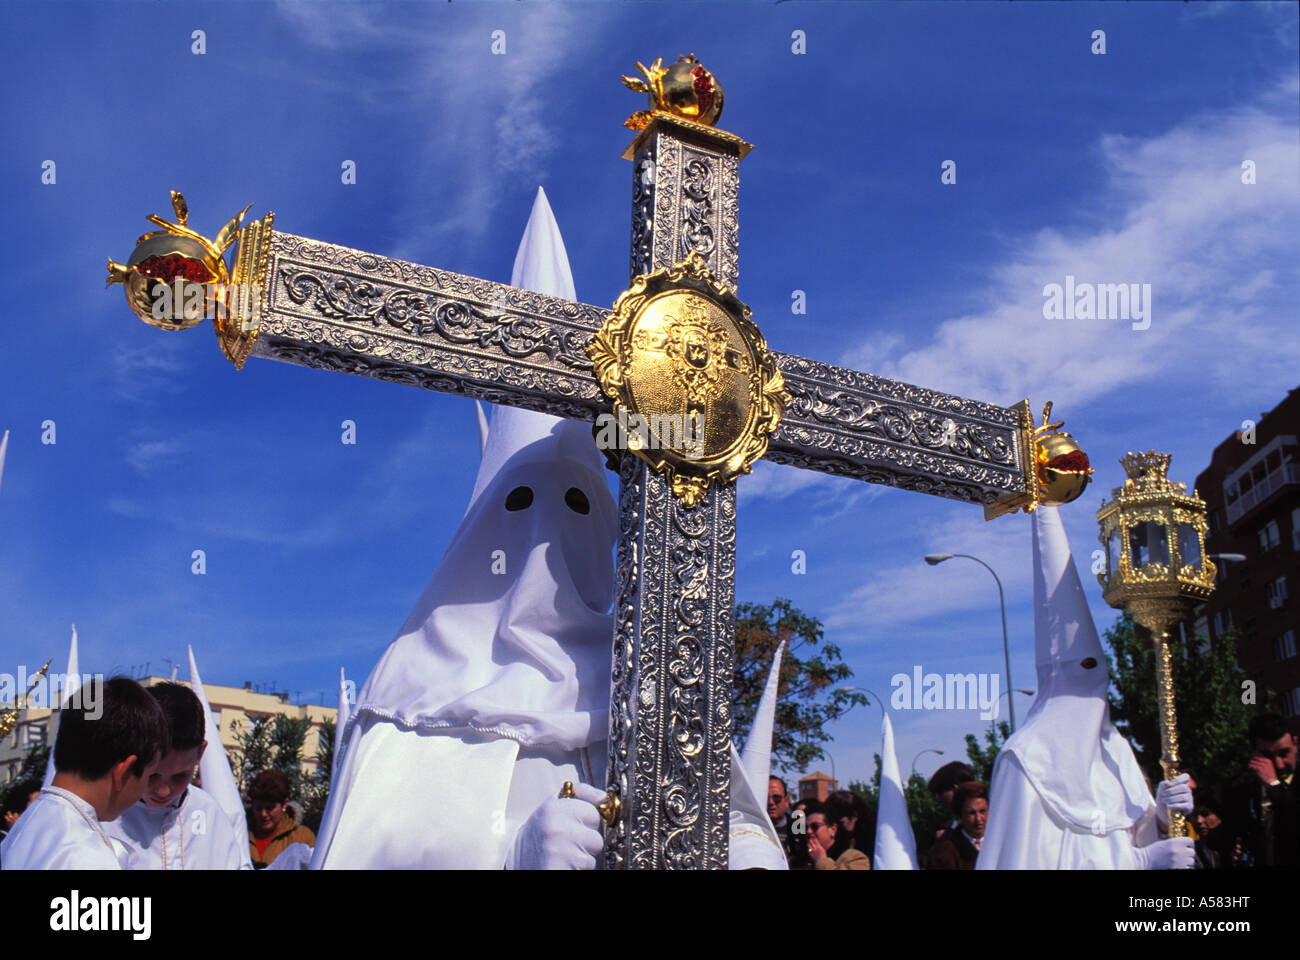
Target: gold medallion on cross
685 365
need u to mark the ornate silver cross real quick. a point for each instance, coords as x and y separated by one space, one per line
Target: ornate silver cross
330 307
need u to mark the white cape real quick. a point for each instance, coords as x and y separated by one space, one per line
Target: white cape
193 834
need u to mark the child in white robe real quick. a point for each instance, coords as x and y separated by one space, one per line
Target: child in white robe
105 752
175 825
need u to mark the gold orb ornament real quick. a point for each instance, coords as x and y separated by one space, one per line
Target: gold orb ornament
174 253
1063 467
685 89
1056 469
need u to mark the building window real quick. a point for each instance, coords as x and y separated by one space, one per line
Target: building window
1291 702
33 735
1222 622
1284 646
1295 529
1276 593
1268 536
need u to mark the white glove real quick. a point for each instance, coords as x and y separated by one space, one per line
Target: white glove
1178 853
560 834
1175 794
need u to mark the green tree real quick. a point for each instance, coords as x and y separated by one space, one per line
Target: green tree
34 764
981 758
273 743
1208 685
316 786
811 671
254 743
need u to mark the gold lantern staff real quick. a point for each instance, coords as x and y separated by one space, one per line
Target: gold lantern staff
9 718
1156 569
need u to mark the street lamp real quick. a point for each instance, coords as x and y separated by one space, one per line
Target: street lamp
934 559
1154 534
923 753
879 702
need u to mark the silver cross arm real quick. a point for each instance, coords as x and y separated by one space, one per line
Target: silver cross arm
334 308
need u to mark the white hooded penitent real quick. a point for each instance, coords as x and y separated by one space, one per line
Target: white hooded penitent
498 682
496 689
1067 792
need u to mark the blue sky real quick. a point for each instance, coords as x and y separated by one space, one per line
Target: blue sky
1124 167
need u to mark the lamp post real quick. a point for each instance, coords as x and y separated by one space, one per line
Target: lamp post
880 703
1156 568
1025 690
934 559
923 753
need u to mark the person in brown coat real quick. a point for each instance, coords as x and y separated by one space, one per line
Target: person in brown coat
271 827
960 848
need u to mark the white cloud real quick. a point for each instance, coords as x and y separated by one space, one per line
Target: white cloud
1219 256
487 113
155 367
148 454
895 595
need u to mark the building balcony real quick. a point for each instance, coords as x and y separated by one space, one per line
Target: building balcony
1283 475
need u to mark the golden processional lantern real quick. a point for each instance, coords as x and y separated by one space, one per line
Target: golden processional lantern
1156 569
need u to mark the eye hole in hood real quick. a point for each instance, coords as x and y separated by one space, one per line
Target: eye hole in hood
577 501
1088 663
520 498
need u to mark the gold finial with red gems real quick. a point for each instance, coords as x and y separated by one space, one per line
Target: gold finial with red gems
1056 470
1063 467
173 253
685 90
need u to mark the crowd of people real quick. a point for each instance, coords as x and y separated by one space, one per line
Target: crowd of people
124 796
1252 821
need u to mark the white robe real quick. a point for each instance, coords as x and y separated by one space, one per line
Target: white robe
193 833
59 831
1028 835
474 828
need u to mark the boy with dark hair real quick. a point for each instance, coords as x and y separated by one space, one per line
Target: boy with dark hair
176 825
272 829
105 752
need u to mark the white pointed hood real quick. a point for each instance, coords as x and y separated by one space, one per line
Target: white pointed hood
1081 766
757 758
71 683
895 841
512 635
4 445
214 768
